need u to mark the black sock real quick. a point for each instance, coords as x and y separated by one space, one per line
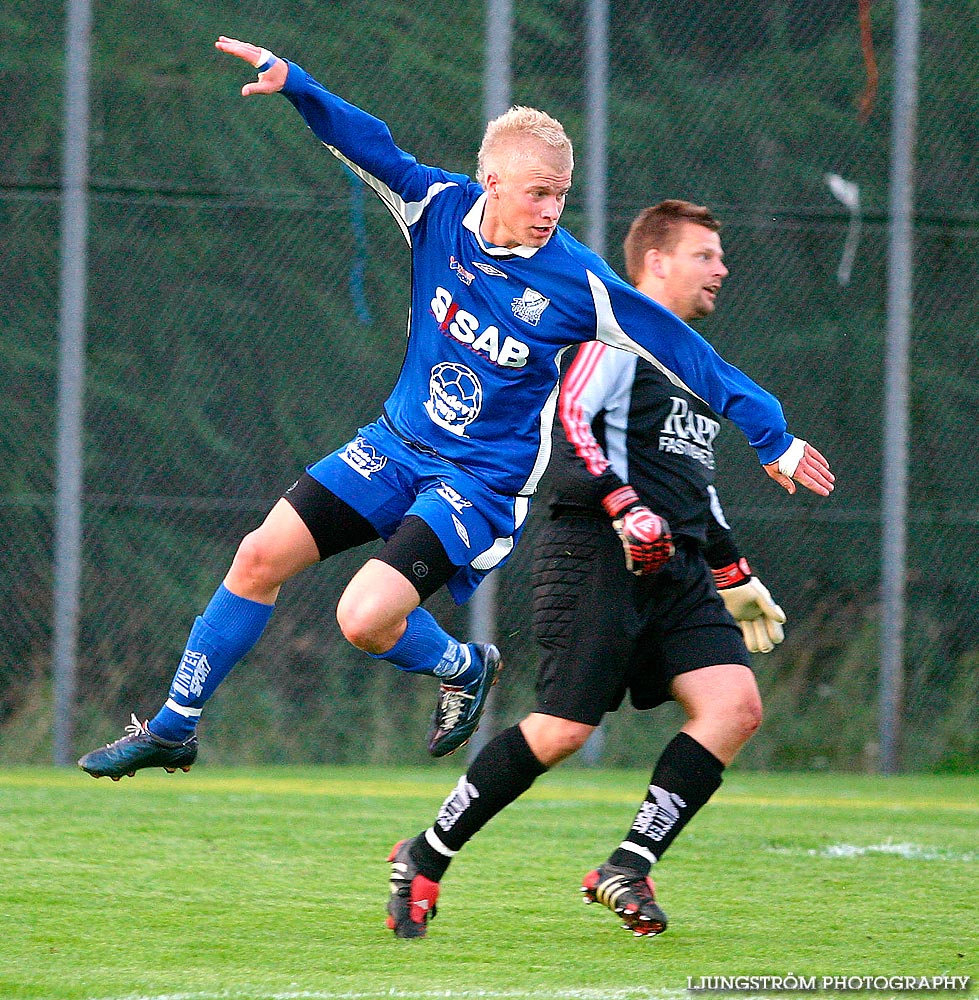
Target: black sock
502 771
685 777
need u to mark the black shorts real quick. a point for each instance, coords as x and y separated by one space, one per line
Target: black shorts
604 631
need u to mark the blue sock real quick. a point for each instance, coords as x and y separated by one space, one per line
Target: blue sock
227 630
426 648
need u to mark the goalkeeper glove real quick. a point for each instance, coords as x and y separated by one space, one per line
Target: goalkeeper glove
751 606
645 536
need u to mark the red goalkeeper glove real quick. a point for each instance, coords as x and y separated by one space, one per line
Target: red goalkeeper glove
751 606
645 536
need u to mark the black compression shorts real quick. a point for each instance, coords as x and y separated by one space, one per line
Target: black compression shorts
414 550
604 631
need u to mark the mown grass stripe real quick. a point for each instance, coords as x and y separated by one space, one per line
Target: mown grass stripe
408 785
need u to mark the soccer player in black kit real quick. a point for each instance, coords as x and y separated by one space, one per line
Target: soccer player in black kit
638 587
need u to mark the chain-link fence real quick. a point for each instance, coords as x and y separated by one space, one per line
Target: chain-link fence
247 307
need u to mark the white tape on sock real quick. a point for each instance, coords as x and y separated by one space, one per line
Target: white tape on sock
185 710
643 852
437 845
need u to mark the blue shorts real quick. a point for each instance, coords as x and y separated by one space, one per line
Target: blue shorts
384 478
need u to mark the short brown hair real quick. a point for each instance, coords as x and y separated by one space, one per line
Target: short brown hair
658 227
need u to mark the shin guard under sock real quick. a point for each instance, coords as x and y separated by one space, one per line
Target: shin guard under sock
426 648
502 771
685 777
227 630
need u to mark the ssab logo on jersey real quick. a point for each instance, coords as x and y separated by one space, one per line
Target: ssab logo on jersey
466 328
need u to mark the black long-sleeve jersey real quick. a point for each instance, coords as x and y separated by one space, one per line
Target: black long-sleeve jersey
622 421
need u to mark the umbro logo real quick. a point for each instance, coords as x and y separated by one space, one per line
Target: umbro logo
461 531
493 272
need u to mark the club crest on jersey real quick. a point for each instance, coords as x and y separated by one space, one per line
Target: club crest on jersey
493 272
363 457
466 277
455 397
530 306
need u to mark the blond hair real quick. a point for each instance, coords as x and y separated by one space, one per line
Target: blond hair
519 134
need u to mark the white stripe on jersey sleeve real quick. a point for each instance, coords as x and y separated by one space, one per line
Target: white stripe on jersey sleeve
546 425
716 509
609 332
406 213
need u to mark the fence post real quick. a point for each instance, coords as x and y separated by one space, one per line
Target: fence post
71 376
894 500
596 116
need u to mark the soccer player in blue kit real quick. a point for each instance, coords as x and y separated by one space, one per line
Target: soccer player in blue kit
445 475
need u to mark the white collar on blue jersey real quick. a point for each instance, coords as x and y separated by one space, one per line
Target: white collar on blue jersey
472 221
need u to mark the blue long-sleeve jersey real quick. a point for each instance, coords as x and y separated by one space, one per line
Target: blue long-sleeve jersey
488 324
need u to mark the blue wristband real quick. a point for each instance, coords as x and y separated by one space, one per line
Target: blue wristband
270 61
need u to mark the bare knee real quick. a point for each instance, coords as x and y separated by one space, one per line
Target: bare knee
746 715
374 606
723 707
254 566
271 554
553 739
359 623
732 721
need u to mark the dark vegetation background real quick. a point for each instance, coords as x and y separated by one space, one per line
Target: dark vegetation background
247 306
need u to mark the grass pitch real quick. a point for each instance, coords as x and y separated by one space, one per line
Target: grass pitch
271 885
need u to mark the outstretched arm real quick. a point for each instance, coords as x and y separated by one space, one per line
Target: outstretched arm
363 142
271 78
628 319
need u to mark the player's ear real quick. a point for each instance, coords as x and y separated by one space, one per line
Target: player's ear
654 261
